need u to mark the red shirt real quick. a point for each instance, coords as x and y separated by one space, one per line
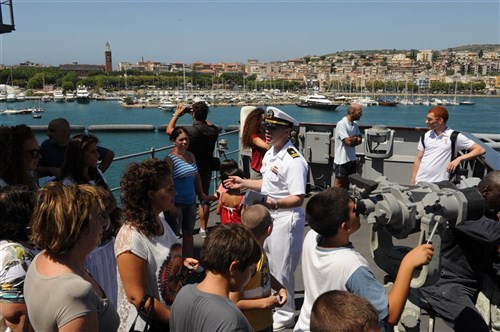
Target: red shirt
257 154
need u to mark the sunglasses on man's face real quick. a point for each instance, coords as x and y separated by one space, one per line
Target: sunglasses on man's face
34 153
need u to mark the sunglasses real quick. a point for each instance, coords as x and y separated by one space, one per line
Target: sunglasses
34 153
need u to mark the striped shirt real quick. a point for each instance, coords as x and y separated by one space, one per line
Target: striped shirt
184 175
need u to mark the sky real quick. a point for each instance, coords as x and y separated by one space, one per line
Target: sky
55 32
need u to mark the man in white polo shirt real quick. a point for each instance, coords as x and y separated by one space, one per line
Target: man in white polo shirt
434 161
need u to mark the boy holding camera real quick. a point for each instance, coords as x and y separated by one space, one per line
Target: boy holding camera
330 262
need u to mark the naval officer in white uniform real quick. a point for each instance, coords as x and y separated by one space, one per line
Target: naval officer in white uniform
284 174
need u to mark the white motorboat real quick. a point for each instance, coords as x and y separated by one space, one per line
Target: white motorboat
21 96
318 101
166 105
365 101
11 97
70 96
46 98
12 111
406 101
82 94
58 96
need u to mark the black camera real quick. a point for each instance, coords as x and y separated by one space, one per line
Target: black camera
187 110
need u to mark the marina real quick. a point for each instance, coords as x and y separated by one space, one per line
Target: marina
136 134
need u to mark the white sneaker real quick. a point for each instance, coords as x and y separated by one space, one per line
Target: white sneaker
282 326
203 233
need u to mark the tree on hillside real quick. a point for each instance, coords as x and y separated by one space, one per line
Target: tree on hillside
68 86
36 81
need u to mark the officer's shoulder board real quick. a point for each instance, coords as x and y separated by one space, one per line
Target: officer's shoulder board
292 152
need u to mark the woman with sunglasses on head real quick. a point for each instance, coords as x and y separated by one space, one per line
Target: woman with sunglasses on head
68 223
150 261
20 154
253 138
80 167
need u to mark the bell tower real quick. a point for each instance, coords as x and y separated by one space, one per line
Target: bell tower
108 64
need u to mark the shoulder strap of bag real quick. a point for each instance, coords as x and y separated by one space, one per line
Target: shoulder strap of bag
150 312
453 140
141 308
422 138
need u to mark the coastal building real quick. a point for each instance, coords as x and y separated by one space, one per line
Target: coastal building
108 62
123 66
83 70
234 68
422 83
424 56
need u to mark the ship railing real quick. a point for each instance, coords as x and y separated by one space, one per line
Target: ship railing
220 152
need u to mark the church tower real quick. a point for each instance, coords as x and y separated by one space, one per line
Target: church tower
108 64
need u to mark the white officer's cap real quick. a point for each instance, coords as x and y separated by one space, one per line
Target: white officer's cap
276 117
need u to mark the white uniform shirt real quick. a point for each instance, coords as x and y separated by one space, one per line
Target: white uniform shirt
284 173
437 155
345 153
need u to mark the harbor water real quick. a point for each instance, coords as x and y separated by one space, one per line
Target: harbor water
483 117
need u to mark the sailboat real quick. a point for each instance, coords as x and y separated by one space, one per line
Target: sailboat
468 102
386 101
454 102
406 100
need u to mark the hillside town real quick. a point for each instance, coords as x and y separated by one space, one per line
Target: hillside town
383 71
420 67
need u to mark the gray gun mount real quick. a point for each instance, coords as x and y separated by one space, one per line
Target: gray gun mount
396 211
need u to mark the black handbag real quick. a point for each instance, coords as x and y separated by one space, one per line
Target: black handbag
149 323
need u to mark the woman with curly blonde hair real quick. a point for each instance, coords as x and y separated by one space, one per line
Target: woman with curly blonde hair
149 256
68 223
253 138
